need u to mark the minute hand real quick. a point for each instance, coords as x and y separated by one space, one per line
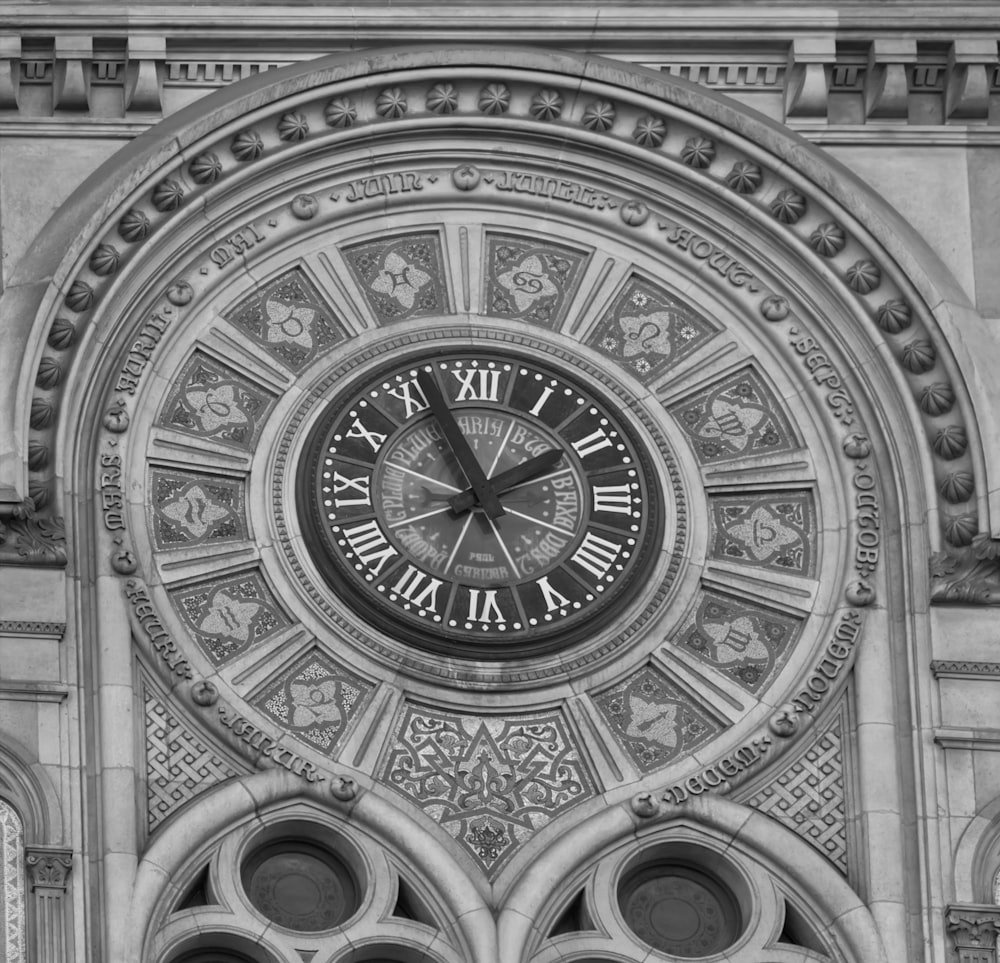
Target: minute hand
509 478
484 491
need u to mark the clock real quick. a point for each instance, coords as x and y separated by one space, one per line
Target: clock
480 503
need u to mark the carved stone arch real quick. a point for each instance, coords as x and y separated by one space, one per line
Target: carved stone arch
29 790
838 911
147 267
269 799
977 857
72 267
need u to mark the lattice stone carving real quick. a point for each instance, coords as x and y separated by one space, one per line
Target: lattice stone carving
178 764
808 797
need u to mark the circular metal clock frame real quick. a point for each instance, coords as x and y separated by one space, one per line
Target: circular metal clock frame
393 520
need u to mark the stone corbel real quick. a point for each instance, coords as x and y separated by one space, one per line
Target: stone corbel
887 90
973 931
807 84
71 73
145 57
28 538
48 870
967 92
968 575
10 70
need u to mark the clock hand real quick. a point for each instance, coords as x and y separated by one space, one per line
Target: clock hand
427 497
484 492
509 478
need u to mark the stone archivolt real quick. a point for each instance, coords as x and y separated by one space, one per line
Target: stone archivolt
320 263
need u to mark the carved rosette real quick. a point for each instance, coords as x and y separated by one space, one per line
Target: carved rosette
549 103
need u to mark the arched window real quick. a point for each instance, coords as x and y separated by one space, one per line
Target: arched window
11 885
996 887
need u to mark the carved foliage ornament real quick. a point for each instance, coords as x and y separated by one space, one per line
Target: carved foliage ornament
973 931
48 868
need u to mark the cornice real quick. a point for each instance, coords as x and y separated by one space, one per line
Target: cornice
831 86
455 19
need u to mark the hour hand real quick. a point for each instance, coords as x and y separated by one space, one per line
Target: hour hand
483 490
523 472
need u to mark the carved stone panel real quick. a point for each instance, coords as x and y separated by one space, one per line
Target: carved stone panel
531 279
491 783
766 531
648 330
289 318
316 699
228 615
401 276
191 509
212 401
736 417
740 638
653 720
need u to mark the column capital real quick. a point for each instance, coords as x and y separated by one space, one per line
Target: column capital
48 867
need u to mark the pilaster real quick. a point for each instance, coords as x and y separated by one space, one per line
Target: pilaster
48 870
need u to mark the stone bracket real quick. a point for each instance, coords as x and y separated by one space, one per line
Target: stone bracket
886 85
145 57
967 93
71 73
10 70
807 85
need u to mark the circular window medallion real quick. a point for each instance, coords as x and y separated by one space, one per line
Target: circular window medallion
300 886
680 910
479 503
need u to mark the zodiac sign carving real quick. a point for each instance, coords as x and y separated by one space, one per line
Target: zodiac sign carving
647 335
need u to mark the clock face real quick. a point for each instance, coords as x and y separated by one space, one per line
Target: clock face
484 505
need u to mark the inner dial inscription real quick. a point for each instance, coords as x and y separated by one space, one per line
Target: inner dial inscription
411 537
419 473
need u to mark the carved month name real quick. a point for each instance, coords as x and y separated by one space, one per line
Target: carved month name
823 373
112 496
266 746
142 607
715 257
382 185
239 242
839 651
713 776
868 538
140 353
553 188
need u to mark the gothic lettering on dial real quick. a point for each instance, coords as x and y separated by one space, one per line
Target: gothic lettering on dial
480 505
